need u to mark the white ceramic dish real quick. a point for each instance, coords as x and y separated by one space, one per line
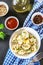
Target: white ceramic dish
32 31
36 13
8 19
7 7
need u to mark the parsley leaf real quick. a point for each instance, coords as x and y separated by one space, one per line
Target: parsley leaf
2 26
2 35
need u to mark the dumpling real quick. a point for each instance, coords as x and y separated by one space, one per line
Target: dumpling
32 41
14 38
34 48
25 34
21 52
19 39
26 46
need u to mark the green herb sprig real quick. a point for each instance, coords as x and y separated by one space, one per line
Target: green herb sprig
2 34
2 26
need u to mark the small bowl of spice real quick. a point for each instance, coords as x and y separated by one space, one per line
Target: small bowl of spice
3 8
11 23
37 18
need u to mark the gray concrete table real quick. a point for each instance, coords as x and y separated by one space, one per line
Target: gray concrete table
4 45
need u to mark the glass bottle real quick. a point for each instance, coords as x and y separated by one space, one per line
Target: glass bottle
21 6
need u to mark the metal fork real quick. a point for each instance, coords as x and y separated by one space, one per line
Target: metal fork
36 58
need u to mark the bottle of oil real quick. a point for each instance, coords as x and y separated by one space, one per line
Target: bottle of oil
21 6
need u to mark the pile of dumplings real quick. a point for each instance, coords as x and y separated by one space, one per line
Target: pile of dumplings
24 43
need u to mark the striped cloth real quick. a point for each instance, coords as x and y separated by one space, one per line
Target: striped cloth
10 59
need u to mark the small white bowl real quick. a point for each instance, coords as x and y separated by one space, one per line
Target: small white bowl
36 13
32 31
8 19
6 5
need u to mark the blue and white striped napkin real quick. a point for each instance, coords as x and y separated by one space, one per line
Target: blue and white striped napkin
10 59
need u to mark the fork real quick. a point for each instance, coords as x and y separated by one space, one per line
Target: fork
36 58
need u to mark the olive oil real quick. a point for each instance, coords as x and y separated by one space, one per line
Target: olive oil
22 5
